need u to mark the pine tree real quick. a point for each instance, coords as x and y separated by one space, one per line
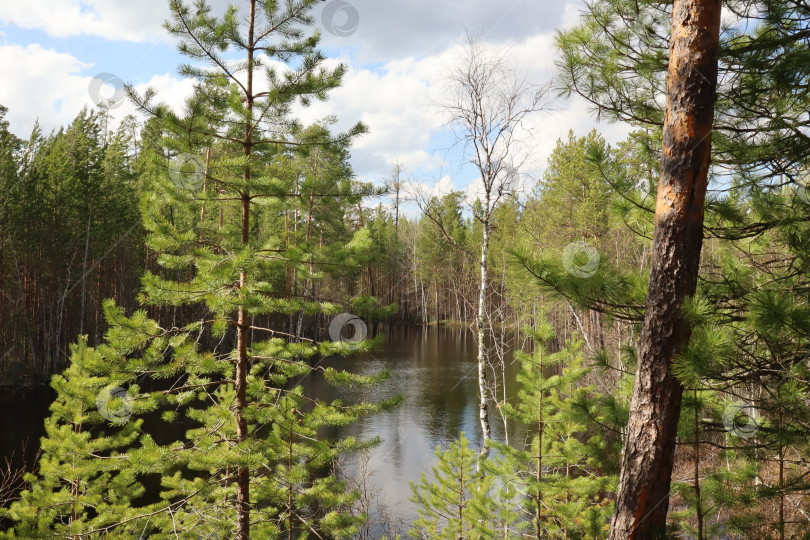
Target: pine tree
10 147
86 483
754 410
456 502
570 461
248 430
250 457
71 202
443 240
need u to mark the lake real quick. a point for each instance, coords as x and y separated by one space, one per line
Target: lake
435 370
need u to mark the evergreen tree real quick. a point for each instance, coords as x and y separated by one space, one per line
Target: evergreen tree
250 458
456 503
572 184
72 203
570 463
442 243
245 437
86 482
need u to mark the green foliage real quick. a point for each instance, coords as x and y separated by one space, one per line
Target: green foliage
573 195
68 203
86 482
558 485
570 465
254 220
456 503
749 340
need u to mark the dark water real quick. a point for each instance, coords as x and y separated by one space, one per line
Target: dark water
22 415
434 369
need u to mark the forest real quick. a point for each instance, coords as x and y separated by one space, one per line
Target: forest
639 310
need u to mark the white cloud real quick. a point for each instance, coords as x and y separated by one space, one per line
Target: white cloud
110 19
384 30
571 15
46 85
49 88
417 192
392 98
443 187
389 30
391 102
394 101
413 160
170 90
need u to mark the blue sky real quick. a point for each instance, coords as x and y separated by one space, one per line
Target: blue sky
395 52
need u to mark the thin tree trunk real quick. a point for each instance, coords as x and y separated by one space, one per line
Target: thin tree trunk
396 209
482 355
436 294
221 222
242 325
644 483
698 500
84 277
204 189
582 329
781 477
538 513
370 271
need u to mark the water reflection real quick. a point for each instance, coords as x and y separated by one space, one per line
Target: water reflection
435 370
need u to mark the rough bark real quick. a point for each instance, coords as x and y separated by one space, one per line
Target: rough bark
644 483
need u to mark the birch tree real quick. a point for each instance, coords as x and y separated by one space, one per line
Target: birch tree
486 103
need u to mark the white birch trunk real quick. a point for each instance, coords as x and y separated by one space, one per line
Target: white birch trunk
482 356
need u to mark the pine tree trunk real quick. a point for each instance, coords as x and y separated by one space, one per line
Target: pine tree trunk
242 325
243 473
644 483
698 499
84 281
538 512
781 476
204 189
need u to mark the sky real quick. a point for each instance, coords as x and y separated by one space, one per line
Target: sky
56 53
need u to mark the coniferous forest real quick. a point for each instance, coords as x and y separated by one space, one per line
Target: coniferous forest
639 310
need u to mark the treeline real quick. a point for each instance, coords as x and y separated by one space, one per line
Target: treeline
70 237
73 237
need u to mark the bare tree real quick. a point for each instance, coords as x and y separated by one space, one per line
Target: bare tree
12 476
486 103
498 356
394 186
